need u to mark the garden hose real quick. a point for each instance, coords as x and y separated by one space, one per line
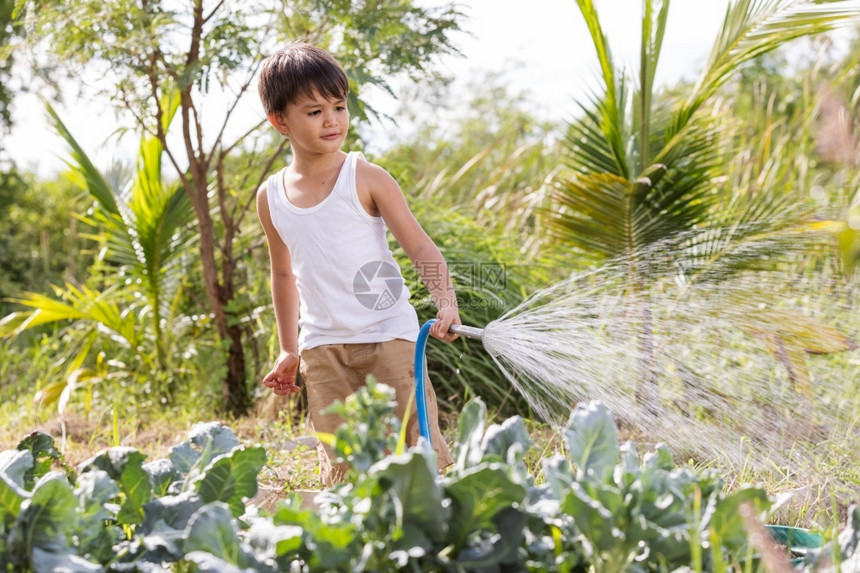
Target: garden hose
421 368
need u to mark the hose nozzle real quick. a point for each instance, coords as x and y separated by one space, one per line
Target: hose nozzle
467 331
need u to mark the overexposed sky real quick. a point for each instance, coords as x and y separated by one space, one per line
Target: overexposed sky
539 46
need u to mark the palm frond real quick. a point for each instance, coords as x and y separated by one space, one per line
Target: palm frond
611 105
589 214
71 304
84 174
752 28
653 30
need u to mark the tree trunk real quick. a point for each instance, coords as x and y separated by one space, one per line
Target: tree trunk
235 395
219 287
234 392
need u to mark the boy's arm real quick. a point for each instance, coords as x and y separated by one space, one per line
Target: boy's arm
285 298
388 200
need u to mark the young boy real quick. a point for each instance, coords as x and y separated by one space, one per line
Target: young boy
325 217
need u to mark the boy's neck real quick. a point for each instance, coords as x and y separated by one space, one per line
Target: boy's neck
322 166
308 162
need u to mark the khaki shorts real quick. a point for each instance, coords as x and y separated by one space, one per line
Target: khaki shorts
334 371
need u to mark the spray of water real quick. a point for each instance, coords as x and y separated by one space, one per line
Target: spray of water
701 354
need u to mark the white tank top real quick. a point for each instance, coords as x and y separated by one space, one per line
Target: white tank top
350 288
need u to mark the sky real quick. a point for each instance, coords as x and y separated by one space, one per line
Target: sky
540 47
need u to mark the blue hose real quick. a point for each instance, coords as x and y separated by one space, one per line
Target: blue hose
420 368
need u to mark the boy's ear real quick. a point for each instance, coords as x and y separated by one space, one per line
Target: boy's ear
279 121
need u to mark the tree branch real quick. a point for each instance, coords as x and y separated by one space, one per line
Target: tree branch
239 139
212 13
264 173
159 124
245 85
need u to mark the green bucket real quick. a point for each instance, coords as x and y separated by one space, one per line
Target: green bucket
796 540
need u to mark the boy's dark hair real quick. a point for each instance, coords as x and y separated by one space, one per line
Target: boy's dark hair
299 69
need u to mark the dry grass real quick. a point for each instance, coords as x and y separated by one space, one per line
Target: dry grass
292 463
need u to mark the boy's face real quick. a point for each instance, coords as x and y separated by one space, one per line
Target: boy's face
314 123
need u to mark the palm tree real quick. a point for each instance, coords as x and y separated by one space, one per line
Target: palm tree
646 170
142 225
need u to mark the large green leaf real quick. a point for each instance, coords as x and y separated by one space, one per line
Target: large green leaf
412 484
271 541
84 174
96 535
207 563
596 522
470 431
162 475
503 547
508 441
83 304
478 494
46 517
165 524
14 465
66 561
206 440
173 511
231 478
592 440
213 531
558 475
41 447
723 521
125 466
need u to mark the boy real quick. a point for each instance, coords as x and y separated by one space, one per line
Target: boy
325 217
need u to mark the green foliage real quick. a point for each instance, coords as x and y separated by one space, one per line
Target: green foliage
671 189
491 161
10 28
599 508
39 242
144 229
141 228
376 40
361 446
645 167
119 510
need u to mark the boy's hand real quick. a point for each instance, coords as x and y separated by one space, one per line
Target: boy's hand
282 378
444 319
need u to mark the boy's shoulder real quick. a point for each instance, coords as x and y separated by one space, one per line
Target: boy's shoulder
370 173
262 190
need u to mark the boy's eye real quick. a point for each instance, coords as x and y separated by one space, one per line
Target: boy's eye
315 112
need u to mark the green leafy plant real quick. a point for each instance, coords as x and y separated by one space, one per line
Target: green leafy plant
140 227
599 507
